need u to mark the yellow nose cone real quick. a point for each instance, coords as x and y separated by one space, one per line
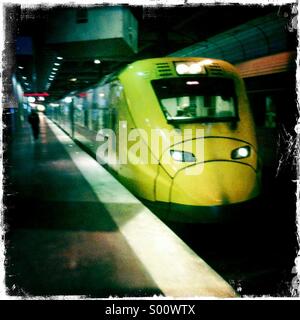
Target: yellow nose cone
219 183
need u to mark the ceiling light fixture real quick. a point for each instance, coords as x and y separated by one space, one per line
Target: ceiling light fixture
31 99
68 99
97 61
59 58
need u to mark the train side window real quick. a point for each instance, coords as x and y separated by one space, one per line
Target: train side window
94 124
115 100
100 107
78 111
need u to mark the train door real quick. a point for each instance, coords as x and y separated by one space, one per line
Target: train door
78 111
114 105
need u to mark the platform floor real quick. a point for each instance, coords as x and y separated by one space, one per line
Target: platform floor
62 240
58 243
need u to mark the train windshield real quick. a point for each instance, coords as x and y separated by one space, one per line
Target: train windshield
197 99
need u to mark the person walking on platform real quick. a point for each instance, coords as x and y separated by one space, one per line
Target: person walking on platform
34 121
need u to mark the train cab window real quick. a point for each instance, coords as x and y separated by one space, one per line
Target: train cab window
197 99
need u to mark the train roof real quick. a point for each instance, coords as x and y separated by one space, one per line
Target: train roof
150 64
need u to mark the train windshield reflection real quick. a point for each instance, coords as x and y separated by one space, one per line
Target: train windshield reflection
197 99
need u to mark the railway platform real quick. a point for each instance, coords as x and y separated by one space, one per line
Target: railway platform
71 229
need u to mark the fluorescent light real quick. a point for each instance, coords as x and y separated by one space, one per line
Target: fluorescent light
59 58
31 99
55 69
20 67
57 64
41 108
97 61
68 99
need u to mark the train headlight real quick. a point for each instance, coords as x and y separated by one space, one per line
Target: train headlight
190 68
182 156
241 153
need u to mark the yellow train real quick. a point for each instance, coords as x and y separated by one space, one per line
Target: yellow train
178 133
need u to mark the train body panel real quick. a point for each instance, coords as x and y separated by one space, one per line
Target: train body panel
231 183
182 132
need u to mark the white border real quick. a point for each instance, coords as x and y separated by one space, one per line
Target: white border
33 3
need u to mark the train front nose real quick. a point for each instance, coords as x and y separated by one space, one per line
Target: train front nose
214 183
222 172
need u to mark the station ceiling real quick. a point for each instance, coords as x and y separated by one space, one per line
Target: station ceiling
161 31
